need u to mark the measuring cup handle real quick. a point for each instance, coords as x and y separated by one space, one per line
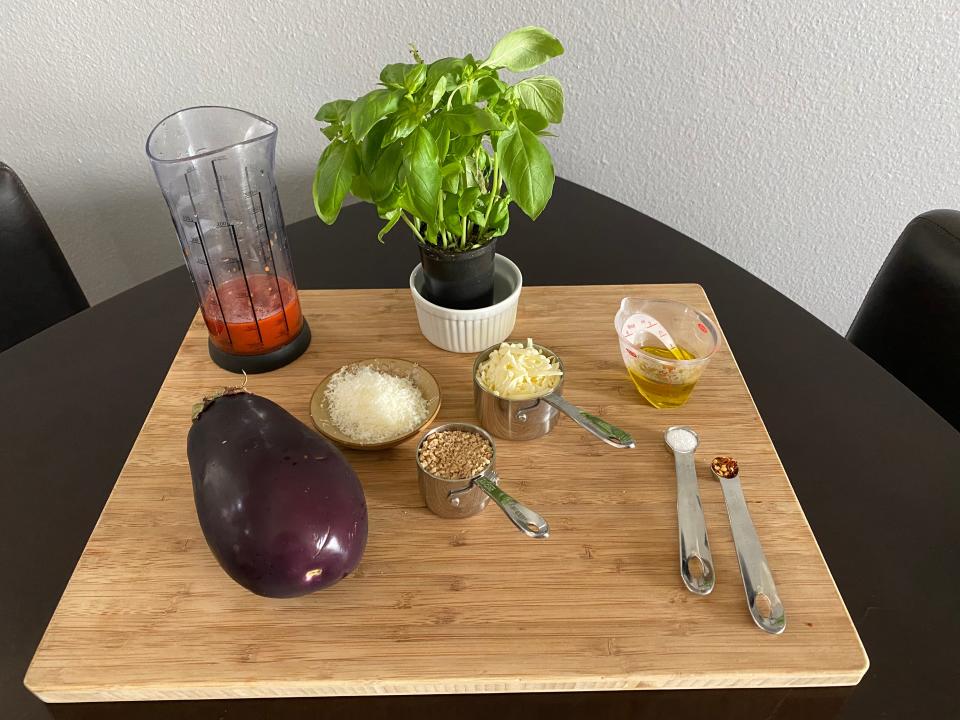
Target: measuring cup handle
609 433
528 522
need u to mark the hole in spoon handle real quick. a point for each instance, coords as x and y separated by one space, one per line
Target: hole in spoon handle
527 521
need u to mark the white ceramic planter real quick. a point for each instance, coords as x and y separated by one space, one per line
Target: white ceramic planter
470 331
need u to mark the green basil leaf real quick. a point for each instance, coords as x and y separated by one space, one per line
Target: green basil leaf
451 177
526 168
441 133
472 120
390 203
334 111
451 183
393 75
370 147
438 92
331 131
468 200
454 224
423 173
484 162
399 128
523 49
368 110
383 176
392 217
488 88
460 147
532 119
500 211
500 226
473 173
414 77
441 68
360 187
451 216
335 172
543 94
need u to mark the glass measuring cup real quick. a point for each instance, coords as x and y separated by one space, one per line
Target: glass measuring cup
215 168
665 346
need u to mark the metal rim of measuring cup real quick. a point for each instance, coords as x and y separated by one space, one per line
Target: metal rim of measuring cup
460 486
526 520
509 419
516 419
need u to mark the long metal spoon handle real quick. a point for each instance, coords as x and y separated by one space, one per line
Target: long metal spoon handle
763 600
609 433
696 562
528 522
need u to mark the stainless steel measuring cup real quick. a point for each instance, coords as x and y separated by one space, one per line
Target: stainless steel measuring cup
463 498
530 418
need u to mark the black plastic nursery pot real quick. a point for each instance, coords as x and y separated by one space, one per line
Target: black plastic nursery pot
458 280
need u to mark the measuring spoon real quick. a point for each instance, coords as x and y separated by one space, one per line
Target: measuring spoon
696 562
763 601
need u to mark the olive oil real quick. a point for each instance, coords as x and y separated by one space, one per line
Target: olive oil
664 384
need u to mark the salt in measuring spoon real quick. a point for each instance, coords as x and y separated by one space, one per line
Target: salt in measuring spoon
696 562
763 601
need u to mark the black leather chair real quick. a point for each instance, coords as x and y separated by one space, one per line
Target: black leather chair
37 287
909 321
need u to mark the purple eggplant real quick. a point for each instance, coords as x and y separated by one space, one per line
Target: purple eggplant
280 507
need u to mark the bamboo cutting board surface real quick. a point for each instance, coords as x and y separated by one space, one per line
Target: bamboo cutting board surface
445 606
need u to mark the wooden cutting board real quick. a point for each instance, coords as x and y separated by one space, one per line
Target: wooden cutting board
454 606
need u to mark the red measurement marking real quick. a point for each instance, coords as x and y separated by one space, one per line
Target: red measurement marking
702 327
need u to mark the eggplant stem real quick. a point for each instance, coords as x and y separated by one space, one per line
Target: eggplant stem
199 407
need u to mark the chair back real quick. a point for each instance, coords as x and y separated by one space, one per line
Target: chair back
37 287
909 321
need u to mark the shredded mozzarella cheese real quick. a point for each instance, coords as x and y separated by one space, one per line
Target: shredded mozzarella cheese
371 406
515 372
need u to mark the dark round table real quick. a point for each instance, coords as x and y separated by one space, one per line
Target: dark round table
877 471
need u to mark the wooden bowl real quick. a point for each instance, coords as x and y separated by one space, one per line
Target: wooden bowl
428 385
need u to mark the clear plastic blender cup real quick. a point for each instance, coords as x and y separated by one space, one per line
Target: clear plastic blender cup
215 168
665 346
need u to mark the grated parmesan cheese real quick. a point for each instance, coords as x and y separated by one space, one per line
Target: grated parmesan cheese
514 371
371 406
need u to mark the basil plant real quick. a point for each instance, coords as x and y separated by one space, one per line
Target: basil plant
446 146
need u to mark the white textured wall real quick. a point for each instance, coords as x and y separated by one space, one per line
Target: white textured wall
795 138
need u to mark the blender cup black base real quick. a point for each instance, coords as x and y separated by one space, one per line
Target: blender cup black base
253 364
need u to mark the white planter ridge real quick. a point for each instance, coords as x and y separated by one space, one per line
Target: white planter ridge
470 331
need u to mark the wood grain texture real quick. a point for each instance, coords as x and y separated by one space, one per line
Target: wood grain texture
446 606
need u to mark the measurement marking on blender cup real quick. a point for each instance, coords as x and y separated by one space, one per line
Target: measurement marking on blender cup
281 225
236 244
266 234
206 259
